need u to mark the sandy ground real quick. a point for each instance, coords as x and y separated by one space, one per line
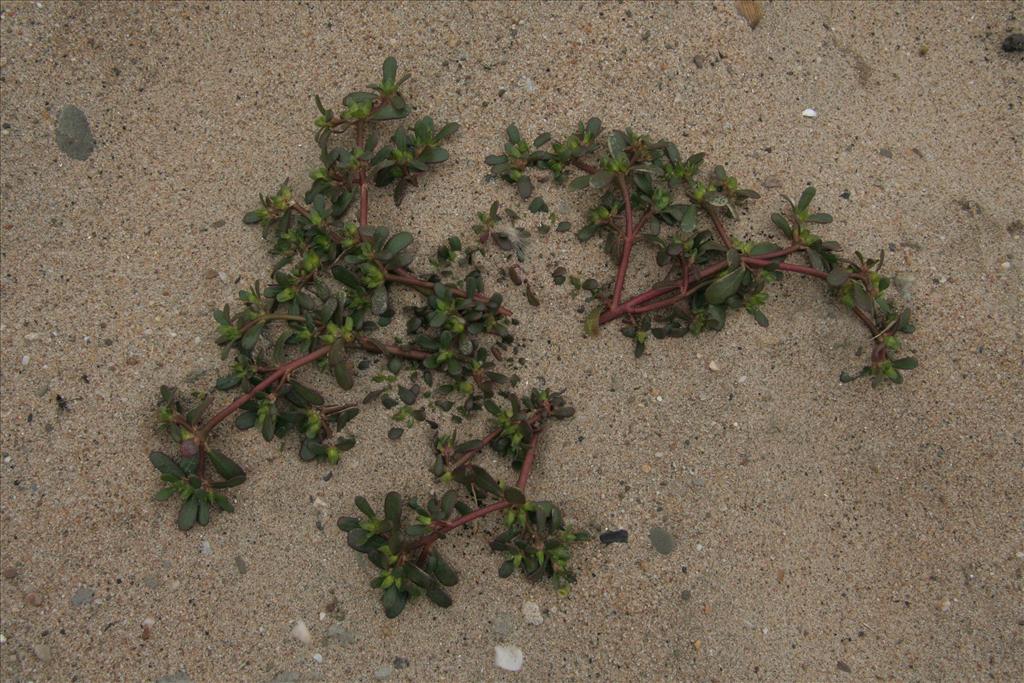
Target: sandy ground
824 532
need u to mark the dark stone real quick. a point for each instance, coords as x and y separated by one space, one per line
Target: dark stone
662 541
618 536
74 137
400 663
886 152
1014 43
843 666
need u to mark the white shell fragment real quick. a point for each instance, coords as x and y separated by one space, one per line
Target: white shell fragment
301 633
508 657
810 114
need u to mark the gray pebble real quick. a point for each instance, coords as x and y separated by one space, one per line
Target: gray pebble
1014 43
400 663
502 625
205 548
42 651
383 673
240 563
74 137
82 596
662 540
179 677
339 634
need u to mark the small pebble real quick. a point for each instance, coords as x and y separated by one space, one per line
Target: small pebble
508 657
301 633
34 599
42 651
338 633
809 114
502 625
11 573
617 536
82 596
843 666
25 360
383 673
662 540
531 613
1014 43
713 366
241 565
205 548
318 658
400 663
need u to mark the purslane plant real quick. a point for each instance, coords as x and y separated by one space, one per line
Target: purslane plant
329 301
533 536
649 193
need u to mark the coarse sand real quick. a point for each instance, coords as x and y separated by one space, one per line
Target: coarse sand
821 531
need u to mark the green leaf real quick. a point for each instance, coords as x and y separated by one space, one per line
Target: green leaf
514 495
188 512
805 199
908 363
346 278
364 507
724 287
166 465
440 569
398 243
524 186
390 70
342 365
225 466
394 602
580 182
223 502
203 515
439 597
838 277
165 493
251 337
393 508
601 179
434 156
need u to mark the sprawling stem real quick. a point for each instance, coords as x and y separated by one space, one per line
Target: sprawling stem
627 242
277 374
445 527
402 276
531 455
723 234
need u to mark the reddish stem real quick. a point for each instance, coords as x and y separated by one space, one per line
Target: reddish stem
531 454
404 277
204 431
627 244
719 226
364 200
428 541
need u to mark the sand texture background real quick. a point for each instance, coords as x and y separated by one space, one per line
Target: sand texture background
824 531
